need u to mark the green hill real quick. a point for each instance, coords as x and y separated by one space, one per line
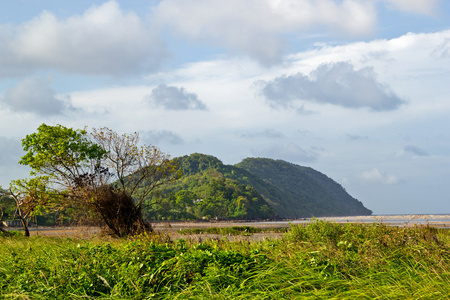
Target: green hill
256 188
205 192
307 192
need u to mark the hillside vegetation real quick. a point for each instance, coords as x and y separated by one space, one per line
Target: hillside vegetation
305 191
256 188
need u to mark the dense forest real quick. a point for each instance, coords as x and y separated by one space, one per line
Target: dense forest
304 192
256 188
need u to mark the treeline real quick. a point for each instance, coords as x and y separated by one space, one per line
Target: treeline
208 195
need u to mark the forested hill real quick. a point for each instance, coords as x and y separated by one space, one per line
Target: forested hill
256 188
307 192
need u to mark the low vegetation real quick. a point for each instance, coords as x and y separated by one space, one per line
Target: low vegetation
234 230
320 261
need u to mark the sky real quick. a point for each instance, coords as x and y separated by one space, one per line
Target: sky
356 89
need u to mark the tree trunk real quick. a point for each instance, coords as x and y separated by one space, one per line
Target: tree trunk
26 232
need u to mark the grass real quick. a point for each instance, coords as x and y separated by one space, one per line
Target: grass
234 230
320 261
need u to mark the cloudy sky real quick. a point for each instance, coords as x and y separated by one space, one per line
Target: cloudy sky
356 89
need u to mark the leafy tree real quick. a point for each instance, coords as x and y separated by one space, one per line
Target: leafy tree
32 197
99 174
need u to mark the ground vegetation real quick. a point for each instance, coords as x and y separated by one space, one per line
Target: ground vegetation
318 261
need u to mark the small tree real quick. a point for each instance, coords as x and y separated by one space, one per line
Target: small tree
32 197
101 173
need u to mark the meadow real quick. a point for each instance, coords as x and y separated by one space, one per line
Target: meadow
320 260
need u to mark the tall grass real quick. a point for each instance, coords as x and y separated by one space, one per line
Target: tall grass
320 261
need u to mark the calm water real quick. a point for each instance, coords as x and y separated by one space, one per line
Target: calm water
440 221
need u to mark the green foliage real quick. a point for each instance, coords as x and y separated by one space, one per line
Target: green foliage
256 188
235 230
319 261
352 250
208 195
197 162
58 157
59 151
296 191
7 205
34 196
131 270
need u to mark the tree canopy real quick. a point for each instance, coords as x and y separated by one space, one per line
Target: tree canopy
61 153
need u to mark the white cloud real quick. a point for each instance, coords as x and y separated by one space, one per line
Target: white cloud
256 27
103 40
35 95
173 98
375 176
337 84
155 137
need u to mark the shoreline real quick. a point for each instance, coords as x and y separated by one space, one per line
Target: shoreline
173 227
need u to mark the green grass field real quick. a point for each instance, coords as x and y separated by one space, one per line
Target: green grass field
320 261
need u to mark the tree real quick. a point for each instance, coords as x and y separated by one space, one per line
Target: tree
99 173
32 196
135 167
137 171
